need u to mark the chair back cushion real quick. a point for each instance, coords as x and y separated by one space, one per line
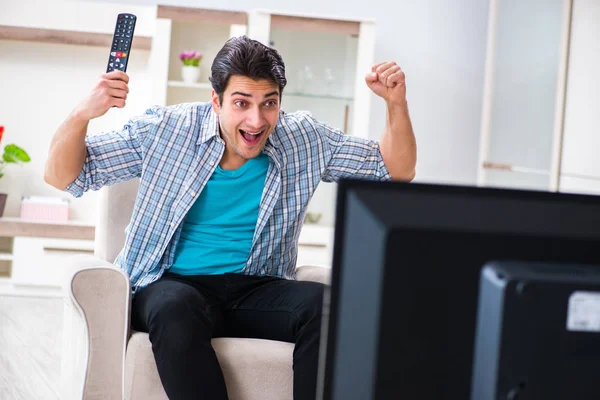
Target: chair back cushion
115 206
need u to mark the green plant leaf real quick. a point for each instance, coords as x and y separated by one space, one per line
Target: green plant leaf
15 154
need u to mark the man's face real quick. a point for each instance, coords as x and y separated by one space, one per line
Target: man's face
247 116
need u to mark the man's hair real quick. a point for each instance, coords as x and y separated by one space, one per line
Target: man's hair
246 57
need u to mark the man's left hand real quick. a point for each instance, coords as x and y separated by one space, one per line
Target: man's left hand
387 81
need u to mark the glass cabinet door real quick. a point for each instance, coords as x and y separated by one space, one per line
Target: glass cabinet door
522 115
325 61
320 69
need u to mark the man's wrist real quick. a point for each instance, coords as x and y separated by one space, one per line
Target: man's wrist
79 117
397 105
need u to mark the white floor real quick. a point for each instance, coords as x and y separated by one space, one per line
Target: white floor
30 347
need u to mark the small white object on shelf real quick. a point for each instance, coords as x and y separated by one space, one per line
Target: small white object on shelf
44 208
190 74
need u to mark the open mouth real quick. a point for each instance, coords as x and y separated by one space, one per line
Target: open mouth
251 138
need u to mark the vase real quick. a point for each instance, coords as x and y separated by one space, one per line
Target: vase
190 74
3 197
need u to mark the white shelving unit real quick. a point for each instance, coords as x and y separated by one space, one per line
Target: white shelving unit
342 46
335 52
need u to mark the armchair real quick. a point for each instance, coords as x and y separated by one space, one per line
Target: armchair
104 359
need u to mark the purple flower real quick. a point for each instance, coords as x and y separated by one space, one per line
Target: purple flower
191 57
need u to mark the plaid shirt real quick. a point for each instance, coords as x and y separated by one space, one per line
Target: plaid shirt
174 151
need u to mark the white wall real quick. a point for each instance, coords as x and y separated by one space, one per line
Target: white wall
39 85
440 44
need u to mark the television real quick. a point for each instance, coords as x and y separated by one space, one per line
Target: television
538 332
401 312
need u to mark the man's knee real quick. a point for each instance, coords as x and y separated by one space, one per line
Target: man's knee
312 304
178 307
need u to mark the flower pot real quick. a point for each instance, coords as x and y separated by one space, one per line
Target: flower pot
190 74
3 197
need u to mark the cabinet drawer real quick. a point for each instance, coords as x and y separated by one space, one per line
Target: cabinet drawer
42 261
315 246
319 255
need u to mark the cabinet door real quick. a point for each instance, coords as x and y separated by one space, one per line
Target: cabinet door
326 60
581 140
320 69
523 93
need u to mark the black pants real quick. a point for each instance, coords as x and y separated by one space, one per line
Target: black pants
182 314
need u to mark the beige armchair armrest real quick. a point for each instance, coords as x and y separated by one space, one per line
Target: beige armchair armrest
97 299
313 273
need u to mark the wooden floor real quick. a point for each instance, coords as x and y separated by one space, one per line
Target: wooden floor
30 347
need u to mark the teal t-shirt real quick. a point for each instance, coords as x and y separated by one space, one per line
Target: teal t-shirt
216 237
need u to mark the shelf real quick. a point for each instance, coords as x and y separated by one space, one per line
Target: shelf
206 85
318 96
514 168
6 256
312 24
193 14
10 227
68 37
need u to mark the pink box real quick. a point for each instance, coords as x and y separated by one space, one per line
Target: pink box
40 208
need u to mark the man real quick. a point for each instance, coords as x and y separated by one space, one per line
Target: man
211 247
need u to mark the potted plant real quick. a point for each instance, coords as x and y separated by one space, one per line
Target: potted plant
190 71
12 154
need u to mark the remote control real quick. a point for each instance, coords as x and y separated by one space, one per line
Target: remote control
121 44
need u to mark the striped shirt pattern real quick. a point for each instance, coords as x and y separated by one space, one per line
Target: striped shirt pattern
174 151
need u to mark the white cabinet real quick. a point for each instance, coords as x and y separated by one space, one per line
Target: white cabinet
540 116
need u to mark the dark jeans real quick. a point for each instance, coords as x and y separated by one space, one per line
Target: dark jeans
182 314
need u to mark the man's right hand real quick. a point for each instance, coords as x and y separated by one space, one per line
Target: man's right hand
111 90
